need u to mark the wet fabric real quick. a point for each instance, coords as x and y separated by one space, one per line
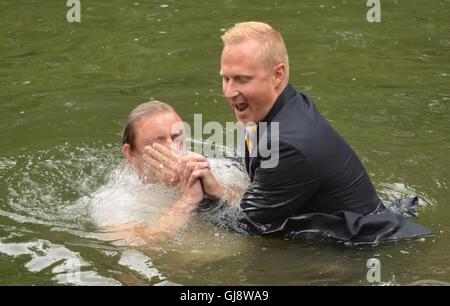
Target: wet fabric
318 189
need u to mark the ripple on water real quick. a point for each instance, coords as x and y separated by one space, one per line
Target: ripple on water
66 266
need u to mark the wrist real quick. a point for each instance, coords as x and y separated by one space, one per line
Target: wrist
185 205
218 193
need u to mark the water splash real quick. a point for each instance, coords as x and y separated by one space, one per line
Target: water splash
85 189
74 191
45 185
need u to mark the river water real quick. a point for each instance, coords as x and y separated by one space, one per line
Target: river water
66 88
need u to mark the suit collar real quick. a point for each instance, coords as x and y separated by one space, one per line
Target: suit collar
287 93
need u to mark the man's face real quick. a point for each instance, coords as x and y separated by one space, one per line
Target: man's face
248 85
163 128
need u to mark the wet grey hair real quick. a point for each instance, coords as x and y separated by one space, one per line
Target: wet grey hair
143 110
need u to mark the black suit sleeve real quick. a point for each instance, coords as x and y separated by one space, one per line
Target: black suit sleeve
277 193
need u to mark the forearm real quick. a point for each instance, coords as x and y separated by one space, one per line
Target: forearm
166 227
177 216
168 224
227 195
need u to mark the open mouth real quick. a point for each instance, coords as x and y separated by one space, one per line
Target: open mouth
240 107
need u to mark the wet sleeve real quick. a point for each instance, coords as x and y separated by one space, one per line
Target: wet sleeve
277 193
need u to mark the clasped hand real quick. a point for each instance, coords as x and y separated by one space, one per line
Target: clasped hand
191 172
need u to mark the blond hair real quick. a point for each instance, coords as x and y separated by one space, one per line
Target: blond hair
143 110
272 49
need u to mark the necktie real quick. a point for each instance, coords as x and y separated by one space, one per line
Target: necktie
250 132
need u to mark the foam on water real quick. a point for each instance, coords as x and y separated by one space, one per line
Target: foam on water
124 199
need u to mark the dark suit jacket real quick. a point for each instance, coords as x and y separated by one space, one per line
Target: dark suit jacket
318 189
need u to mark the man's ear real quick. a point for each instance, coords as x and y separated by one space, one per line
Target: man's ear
127 152
279 74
